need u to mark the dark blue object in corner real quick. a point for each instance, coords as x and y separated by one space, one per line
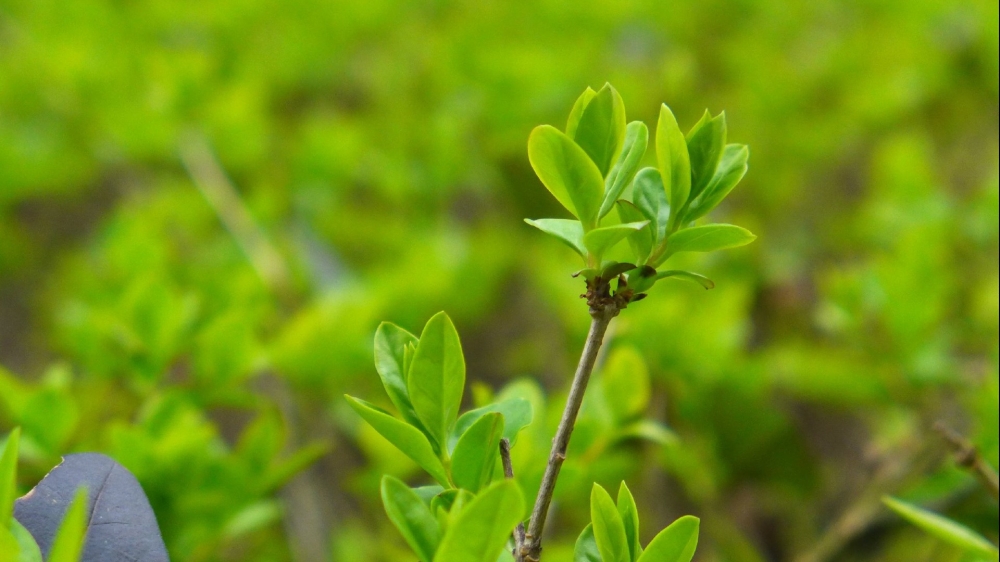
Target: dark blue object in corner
121 526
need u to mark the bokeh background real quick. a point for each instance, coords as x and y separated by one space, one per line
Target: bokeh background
207 207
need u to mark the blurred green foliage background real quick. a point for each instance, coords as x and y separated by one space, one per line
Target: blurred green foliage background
202 330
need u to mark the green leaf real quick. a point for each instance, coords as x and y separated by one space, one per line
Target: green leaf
601 129
412 517
641 279
650 430
704 144
8 476
630 517
391 342
732 167
569 231
651 199
27 547
636 139
408 439
672 158
943 528
610 270
586 546
687 276
577 112
625 384
642 240
603 239
476 453
707 238
517 414
68 542
676 543
609 530
481 529
437 377
567 172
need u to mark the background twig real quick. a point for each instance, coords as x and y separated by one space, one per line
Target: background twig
968 457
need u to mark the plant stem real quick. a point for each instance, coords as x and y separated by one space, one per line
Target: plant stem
968 457
601 317
508 472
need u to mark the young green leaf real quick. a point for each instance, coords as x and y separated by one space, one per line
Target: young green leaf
476 453
391 342
601 128
480 530
613 269
517 414
672 158
704 143
732 167
636 139
687 276
642 240
603 239
412 517
8 476
577 112
651 199
630 517
567 172
641 279
437 377
585 549
625 384
676 543
609 530
408 439
68 542
943 528
569 231
707 238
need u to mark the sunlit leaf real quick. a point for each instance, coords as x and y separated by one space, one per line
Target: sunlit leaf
609 530
624 170
732 167
569 231
708 238
602 239
577 112
391 342
601 129
408 439
650 198
567 172
517 414
476 453
480 530
676 543
630 517
704 143
687 276
436 379
585 549
943 528
672 158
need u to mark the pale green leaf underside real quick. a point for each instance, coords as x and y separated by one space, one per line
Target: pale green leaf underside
708 238
603 239
687 276
570 232
408 439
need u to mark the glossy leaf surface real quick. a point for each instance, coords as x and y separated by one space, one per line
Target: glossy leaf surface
567 172
436 379
412 517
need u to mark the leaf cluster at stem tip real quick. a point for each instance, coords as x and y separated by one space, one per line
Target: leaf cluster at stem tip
593 168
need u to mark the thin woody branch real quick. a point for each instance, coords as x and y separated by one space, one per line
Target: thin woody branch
508 472
967 456
603 308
